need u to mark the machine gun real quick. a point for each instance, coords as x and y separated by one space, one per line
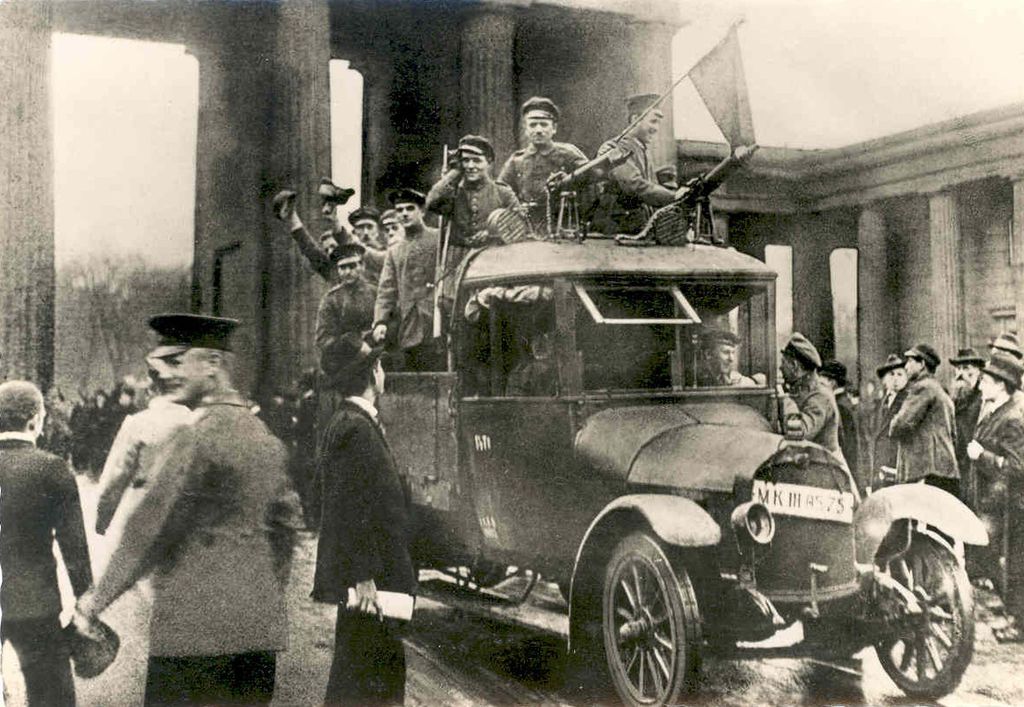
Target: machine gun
689 218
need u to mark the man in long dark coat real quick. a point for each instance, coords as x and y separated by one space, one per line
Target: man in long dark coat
216 528
834 374
880 450
38 504
925 426
967 407
364 534
997 459
810 406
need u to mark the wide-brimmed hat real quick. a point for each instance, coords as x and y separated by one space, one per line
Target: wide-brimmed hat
801 348
892 362
836 371
967 356
1008 342
1006 368
926 353
92 655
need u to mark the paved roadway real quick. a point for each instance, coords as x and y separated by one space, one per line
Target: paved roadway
457 657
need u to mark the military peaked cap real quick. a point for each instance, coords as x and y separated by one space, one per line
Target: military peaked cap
926 353
389 216
347 252
193 331
476 145
407 196
364 213
332 193
540 107
800 348
1009 344
892 362
635 105
968 355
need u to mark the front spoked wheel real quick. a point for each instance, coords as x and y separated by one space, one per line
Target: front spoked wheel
651 624
929 646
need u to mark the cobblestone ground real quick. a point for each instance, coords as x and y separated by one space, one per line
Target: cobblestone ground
459 659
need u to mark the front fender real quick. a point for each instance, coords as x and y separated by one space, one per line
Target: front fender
920 502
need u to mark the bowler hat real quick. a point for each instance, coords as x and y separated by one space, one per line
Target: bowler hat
926 353
966 356
91 655
1008 342
836 371
180 331
635 105
1006 368
332 193
347 252
364 213
892 362
476 145
799 347
406 195
540 107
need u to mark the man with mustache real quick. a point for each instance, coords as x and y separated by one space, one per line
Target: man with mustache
967 407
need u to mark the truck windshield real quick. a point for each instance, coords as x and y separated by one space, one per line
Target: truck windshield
671 336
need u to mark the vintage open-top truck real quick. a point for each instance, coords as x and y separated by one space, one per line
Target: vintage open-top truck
578 434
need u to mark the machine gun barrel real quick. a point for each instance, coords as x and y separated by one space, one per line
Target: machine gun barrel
701 187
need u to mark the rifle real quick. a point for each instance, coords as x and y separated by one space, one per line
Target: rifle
441 262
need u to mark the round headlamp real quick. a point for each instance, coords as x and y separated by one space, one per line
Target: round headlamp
755 520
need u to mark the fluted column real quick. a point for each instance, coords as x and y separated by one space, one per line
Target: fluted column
1018 249
300 135
487 81
946 288
875 308
26 193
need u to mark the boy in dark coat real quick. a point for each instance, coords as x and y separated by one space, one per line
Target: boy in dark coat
364 534
38 502
925 426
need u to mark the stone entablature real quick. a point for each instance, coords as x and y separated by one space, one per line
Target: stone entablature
921 161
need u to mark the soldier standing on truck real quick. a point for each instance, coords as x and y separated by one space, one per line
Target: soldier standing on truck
810 406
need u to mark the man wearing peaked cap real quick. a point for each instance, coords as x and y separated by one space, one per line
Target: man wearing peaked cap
392 225
632 192
810 406
527 171
925 424
880 449
367 231
833 373
967 406
219 520
996 452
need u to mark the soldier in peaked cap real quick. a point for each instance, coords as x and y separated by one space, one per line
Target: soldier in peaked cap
996 453
392 225
810 405
527 170
720 353
218 521
632 192
967 364
368 232
347 308
925 425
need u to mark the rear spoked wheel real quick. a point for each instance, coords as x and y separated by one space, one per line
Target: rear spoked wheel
927 652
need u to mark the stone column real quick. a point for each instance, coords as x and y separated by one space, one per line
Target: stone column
652 73
378 132
1018 249
875 305
301 156
487 80
26 193
945 280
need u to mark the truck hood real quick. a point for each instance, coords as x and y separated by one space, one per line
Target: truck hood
702 446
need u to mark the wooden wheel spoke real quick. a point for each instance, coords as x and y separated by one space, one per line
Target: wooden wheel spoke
663 641
662 663
643 669
940 633
908 655
921 654
933 654
636 584
624 584
624 613
632 661
658 680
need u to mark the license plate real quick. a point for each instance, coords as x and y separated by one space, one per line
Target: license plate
805 501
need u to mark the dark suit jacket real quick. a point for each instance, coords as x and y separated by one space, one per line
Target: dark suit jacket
924 428
38 502
364 531
880 449
967 408
848 429
217 527
1001 433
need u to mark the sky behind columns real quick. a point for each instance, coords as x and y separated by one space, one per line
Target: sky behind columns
820 73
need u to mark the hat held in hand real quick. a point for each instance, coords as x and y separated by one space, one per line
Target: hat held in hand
91 655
